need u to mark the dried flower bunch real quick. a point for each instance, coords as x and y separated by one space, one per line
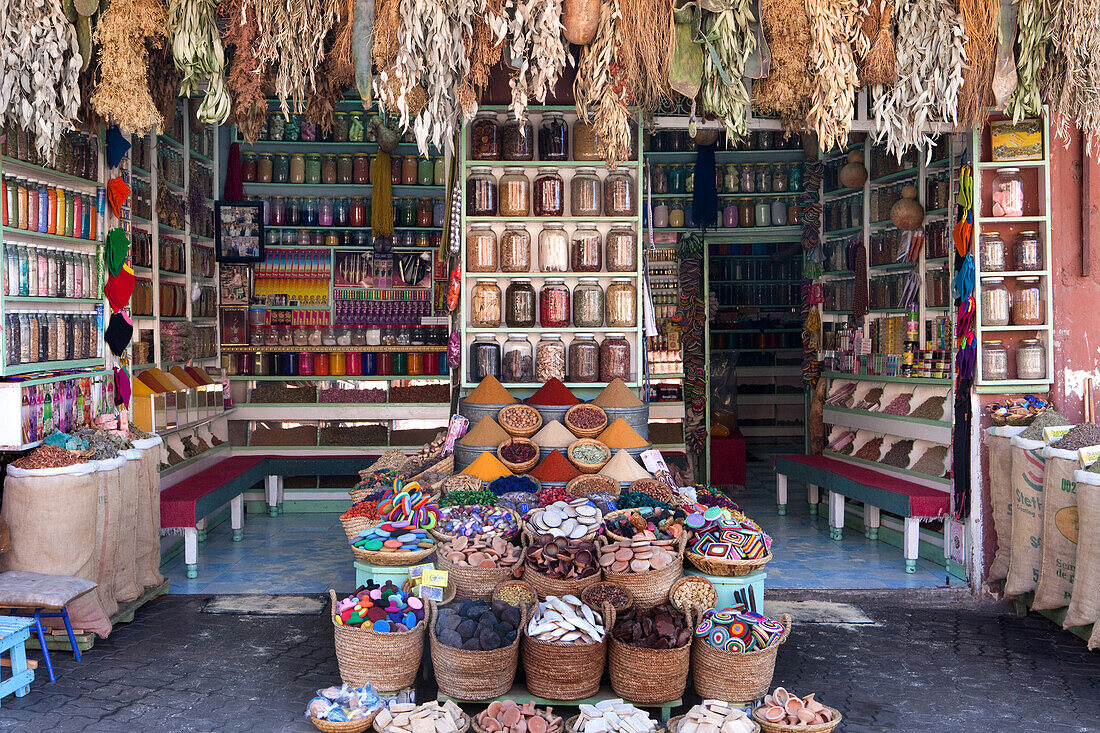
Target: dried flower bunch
879 64
336 73
291 39
787 90
1073 86
246 77
485 46
645 51
981 21
39 70
124 33
837 40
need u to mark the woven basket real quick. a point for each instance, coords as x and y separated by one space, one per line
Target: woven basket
392 559
463 725
605 484
735 676
769 727
358 495
440 537
477 726
648 676
355 525
448 592
585 432
387 660
585 594
673 724
469 675
612 515
651 587
391 459
581 465
348 726
509 410
724 567
476 583
519 467
510 582
545 586
565 670
444 467
532 535
460 482
689 579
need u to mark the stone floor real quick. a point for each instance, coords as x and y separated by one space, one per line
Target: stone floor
903 661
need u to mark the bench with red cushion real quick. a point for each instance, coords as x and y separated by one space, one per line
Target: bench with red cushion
877 490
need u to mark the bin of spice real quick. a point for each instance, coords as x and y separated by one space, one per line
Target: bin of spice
553 400
619 401
586 420
519 454
588 455
485 400
520 420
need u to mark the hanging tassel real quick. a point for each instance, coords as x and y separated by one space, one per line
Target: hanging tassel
705 200
381 211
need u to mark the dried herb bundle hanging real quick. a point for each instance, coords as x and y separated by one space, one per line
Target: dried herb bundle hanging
787 90
836 41
597 88
879 64
724 94
246 76
484 47
645 49
164 81
538 47
292 41
1033 31
981 20
125 30
1073 87
336 73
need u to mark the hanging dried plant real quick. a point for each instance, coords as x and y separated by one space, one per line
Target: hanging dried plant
879 64
164 80
981 20
645 38
291 39
787 90
538 47
484 45
1033 31
87 114
335 75
124 31
1073 87
599 92
732 42
39 71
387 27
836 41
198 52
931 57
246 74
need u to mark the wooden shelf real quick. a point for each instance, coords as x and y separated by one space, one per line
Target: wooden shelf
884 378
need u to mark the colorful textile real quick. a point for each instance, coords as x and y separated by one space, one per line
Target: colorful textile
736 630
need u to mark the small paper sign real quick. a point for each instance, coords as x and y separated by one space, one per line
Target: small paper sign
1052 434
434 578
1088 455
417 570
431 593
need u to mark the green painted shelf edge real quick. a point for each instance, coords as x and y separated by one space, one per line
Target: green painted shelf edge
901 418
879 465
883 378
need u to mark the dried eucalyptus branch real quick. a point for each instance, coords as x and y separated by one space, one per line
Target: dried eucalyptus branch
596 89
724 94
198 53
836 42
292 40
537 50
1073 87
1033 31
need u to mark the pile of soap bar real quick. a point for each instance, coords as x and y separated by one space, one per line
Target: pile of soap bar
481 552
431 717
477 625
393 537
716 716
613 716
381 608
343 704
660 627
566 619
507 716
563 559
571 520
638 555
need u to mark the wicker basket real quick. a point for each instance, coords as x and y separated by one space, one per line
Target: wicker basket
724 567
605 484
545 586
690 579
519 467
444 467
532 535
735 676
358 495
440 537
648 676
565 670
448 592
769 727
510 582
581 465
510 410
585 432
476 583
460 482
612 515
618 609
398 559
673 724
473 675
347 726
355 525
387 660
391 459
651 587
463 725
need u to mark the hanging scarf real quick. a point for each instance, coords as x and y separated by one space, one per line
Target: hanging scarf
691 318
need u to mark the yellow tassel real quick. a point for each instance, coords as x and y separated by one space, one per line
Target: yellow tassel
381 211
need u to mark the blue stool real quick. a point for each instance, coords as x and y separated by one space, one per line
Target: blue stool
14 632
36 621
37 596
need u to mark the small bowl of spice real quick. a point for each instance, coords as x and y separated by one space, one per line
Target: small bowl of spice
519 454
521 421
588 455
586 420
589 483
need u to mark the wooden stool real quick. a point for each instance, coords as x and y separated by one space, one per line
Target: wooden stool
14 632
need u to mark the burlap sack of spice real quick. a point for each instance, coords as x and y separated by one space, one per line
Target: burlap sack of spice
1028 469
1059 547
1084 605
127 587
108 516
999 443
51 513
148 513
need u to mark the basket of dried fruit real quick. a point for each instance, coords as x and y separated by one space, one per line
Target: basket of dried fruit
588 455
519 420
586 420
519 454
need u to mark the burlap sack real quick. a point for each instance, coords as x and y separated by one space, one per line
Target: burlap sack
127 587
106 530
148 513
1059 547
52 517
1084 606
1028 469
999 442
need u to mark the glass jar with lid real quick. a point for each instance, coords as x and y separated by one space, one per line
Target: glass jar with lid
618 194
549 193
1027 302
517 139
763 213
994 361
585 197
484 358
515 193
328 169
554 304
622 303
731 178
550 358
588 303
1031 360
519 304
265 168
515 249
481 249
779 213
1008 193
779 177
763 178
584 358
994 302
991 252
621 249
553 248
518 359
485 137
584 142
748 178
586 249
553 137
485 304
481 193
1029 253
615 358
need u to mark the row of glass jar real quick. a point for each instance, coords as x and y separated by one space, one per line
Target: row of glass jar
1031 360
491 139
513 195
1024 306
32 337
350 211
347 127
358 238
47 272
520 361
347 335
34 206
731 178
587 306
77 154
993 252
842 213
169 164
674 141
336 364
778 212
315 169
584 250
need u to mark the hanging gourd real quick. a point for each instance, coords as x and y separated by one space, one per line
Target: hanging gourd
853 175
580 19
907 214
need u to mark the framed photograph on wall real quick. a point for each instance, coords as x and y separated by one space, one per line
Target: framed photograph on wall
239 236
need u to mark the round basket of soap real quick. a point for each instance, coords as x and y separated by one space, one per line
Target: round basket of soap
592 483
477 564
649 654
586 420
733 657
501 717
612 716
442 717
519 454
393 544
564 646
722 715
472 520
588 455
519 420
573 520
624 524
387 659
597 594
475 647
645 566
783 712
559 567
